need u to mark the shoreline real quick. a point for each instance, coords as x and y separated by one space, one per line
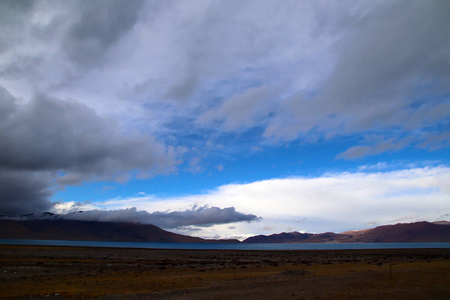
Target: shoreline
131 273
228 246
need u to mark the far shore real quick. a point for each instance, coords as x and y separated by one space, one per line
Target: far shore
227 246
125 273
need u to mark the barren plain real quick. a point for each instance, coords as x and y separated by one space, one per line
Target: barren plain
117 273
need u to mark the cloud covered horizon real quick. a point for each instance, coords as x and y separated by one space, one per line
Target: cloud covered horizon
204 216
334 202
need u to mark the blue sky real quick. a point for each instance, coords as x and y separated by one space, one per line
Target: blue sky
226 119
274 162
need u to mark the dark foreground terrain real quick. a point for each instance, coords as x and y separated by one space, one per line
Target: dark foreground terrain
111 273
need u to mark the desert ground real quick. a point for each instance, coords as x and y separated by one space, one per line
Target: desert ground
117 273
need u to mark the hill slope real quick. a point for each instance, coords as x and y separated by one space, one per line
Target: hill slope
92 231
404 233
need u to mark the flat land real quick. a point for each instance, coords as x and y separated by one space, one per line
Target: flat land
117 273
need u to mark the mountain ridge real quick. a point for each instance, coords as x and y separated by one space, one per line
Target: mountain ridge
398 233
48 226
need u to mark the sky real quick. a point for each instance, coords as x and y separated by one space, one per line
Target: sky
226 119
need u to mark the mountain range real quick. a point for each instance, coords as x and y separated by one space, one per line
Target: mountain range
49 227
398 233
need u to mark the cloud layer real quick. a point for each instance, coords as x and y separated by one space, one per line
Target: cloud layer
294 69
332 202
204 216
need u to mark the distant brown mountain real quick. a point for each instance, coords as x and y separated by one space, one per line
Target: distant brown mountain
403 233
398 233
297 237
60 229
284 237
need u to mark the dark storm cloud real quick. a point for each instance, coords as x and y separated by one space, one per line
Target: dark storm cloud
197 216
21 192
24 192
51 136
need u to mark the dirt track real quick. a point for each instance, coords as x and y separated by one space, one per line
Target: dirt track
107 273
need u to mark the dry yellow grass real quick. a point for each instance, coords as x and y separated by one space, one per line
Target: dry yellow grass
185 274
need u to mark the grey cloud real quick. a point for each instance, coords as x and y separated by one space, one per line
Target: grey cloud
52 134
243 110
28 31
382 59
7 104
356 152
11 10
376 67
434 141
201 216
231 42
197 216
185 86
375 146
12 16
50 45
99 24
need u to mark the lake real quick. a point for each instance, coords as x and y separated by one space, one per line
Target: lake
241 246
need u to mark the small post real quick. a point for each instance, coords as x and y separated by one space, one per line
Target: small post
303 272
390 270
234 273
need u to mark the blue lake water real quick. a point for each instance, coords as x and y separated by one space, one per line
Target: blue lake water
240 246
